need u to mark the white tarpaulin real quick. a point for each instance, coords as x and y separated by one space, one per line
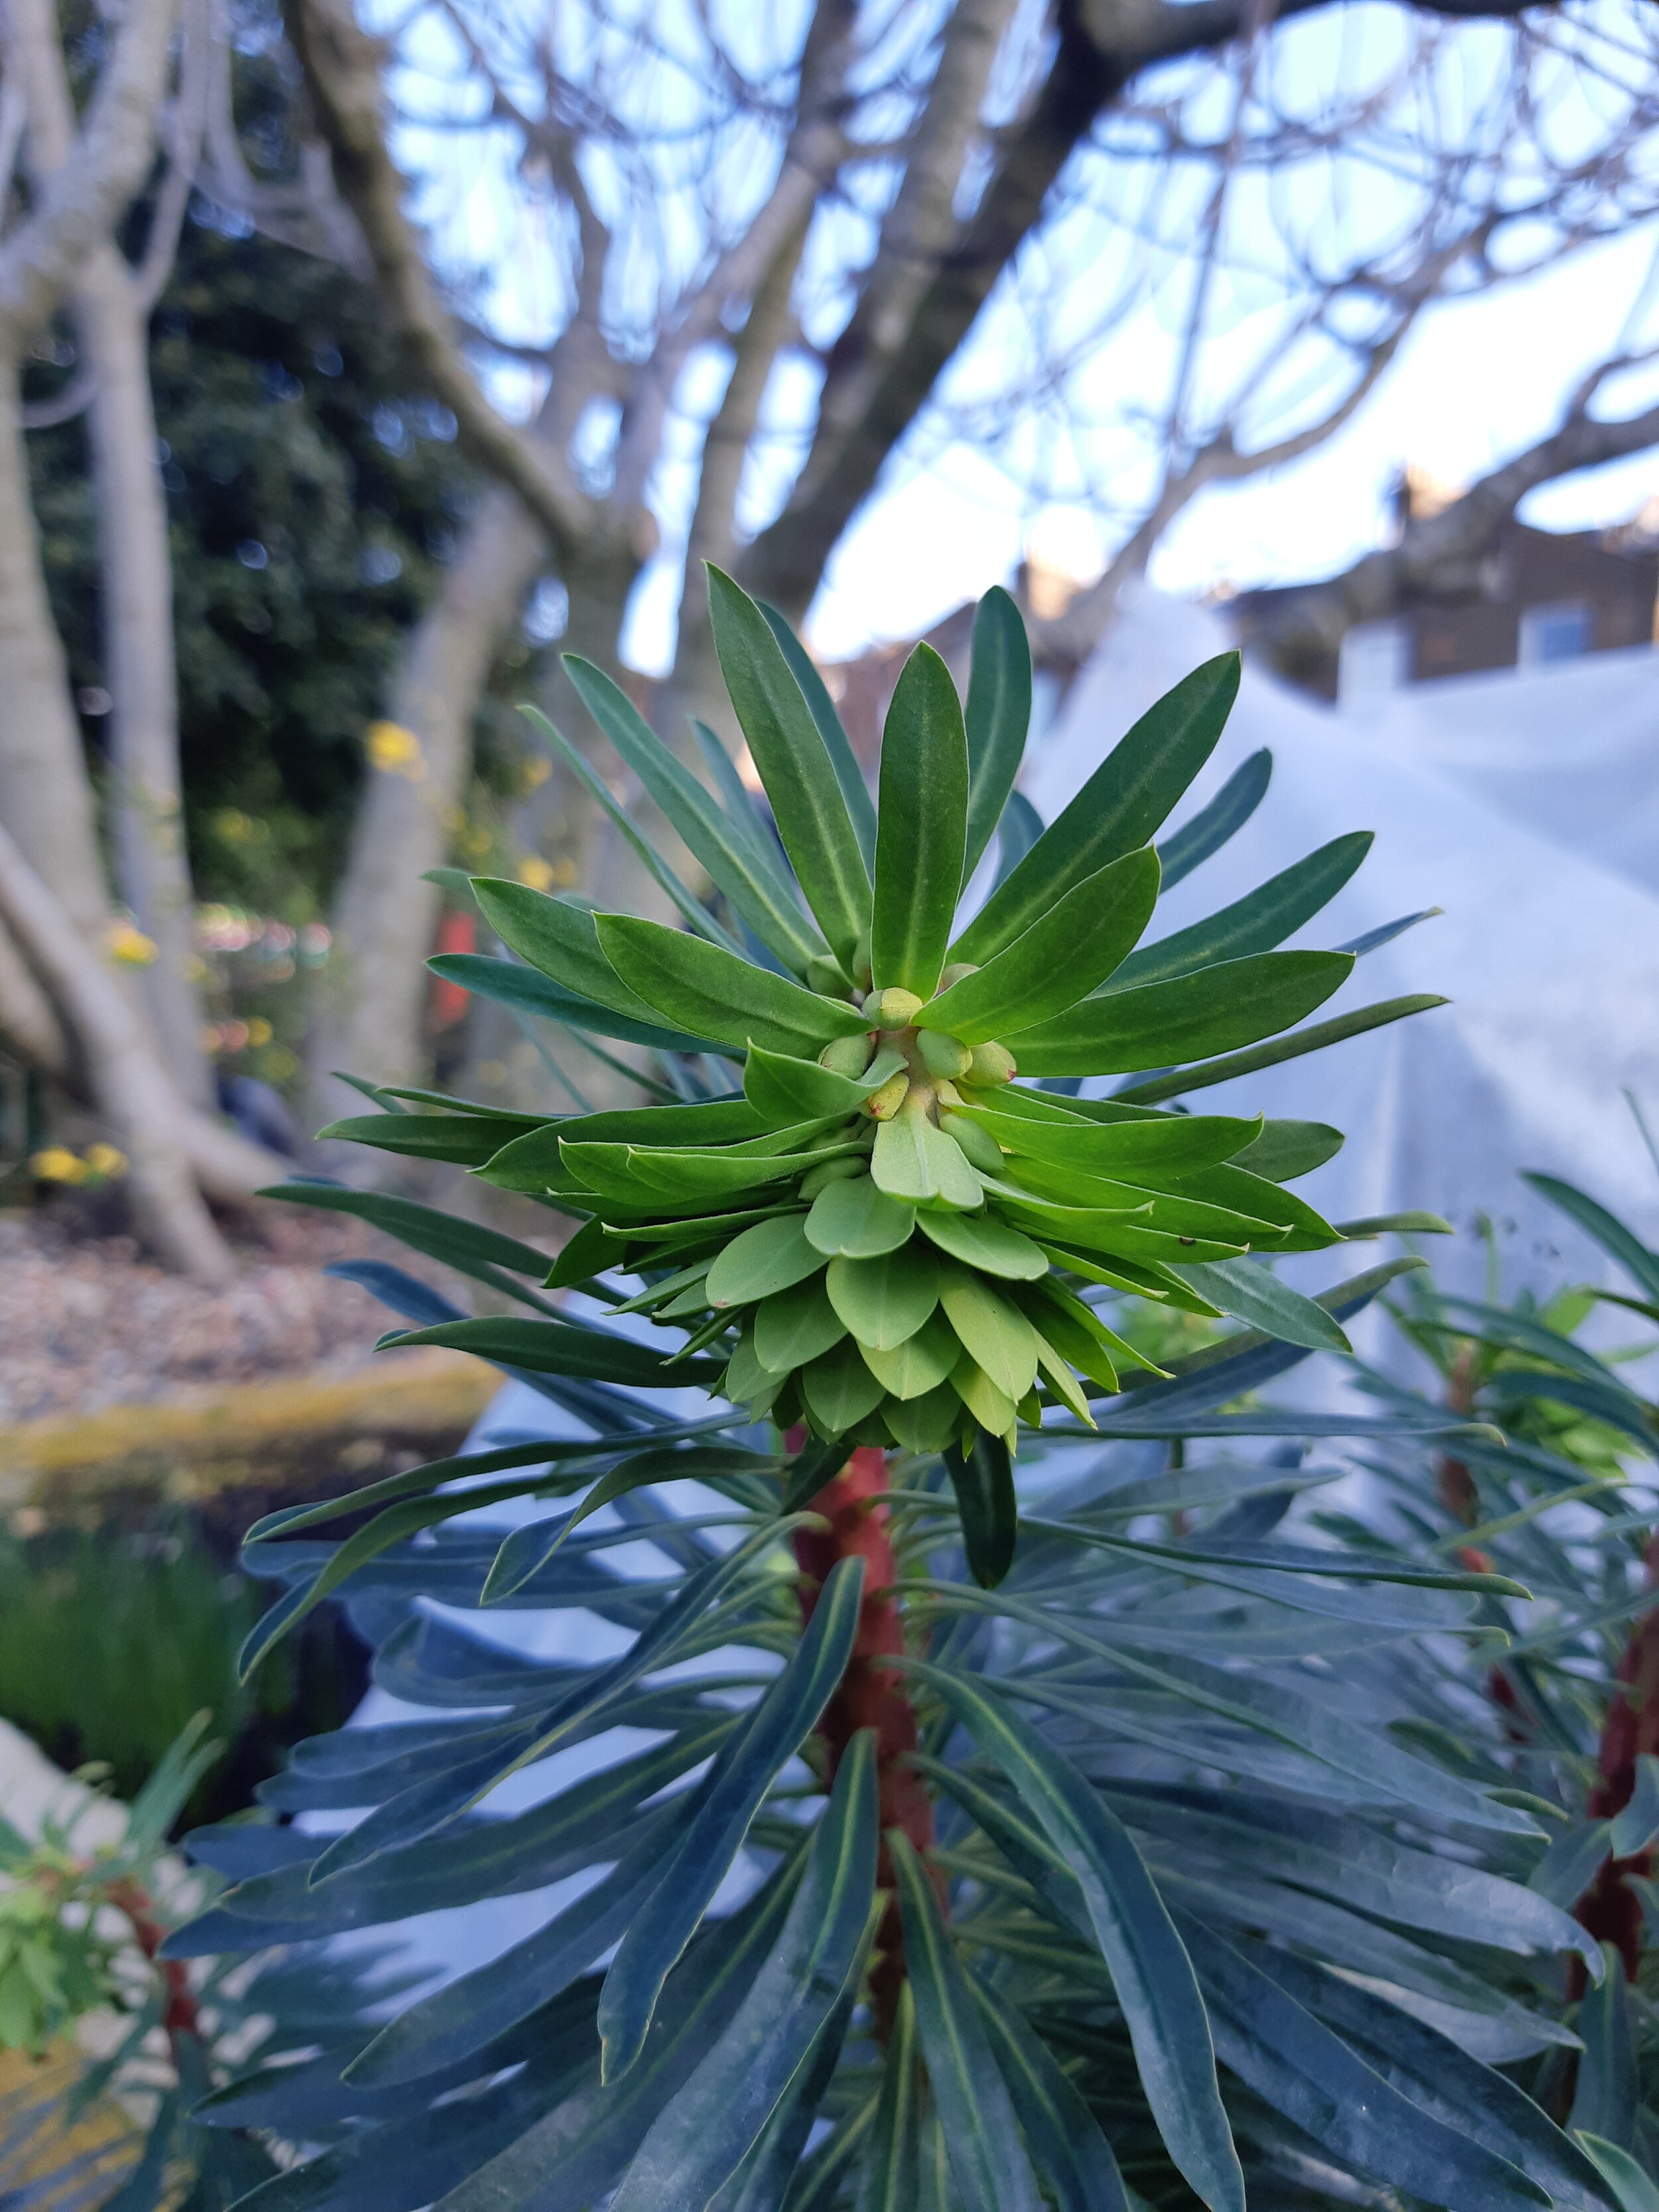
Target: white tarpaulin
1570 751
1551 959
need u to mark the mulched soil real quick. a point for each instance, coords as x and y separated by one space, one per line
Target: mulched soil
87 1321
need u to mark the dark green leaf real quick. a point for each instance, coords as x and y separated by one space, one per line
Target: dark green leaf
794 1326
998 717
783 1088
1225 815
1181 1080
735 861
1255 1294
983 1480
1211 1011
988 2159
848 774
730 1797
1073 2157
511 983
841 1389
1608 1231
556 1347
1257 923
1151 1972
787 748
465 1139
889 2172
703 2136
717 994
1287 1149
484 1254
1159 1146
1077 943
1119 808
922 825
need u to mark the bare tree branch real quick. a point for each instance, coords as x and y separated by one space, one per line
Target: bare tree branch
342 67
83 195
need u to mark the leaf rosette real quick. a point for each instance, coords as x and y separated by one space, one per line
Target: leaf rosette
870 1227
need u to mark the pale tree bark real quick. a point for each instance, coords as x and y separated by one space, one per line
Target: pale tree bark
45 798
128 1083
113 305
369 1017
152 871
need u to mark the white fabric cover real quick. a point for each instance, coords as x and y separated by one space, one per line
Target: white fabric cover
1550 960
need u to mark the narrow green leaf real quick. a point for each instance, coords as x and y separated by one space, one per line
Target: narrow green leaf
915 1160
783 1088
1219 1007
703 2136
787 747
982 1478
740 1779
1151 1972
1632 2188
888 2172
848 774
1255 1294
885 1300
513 983
1162 1145
1607 2092
1073 2156
1059 960
463 1140
556 1347
559 938
1608 1231
1180 1080
484 1254
1118 809
999 716
1225 815
734 861
1395 1225
599 791
857 1220
772 1256
988 2163
980 1240
1256 923
1287 1151
716 994
923 822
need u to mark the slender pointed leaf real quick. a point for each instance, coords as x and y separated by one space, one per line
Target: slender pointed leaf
1176 1082
998 716
848 774
923 823
1270 914
717 994
1232 1004
1226 814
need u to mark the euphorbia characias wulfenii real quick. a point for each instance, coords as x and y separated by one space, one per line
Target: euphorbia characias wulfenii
1086 1872
880 1228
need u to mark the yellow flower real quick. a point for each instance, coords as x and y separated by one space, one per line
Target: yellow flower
536 770
395 750
537 873
57 1165
106 1161
128 944
564 873
259 1031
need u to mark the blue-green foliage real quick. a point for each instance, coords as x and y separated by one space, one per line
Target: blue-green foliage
1196 1918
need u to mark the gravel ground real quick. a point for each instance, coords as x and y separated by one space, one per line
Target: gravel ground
89 1323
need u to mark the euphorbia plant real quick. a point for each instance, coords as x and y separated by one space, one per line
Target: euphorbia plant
1066 1873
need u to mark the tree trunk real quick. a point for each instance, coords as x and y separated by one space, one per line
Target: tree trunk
131 1091
152 871
370 1018
45 801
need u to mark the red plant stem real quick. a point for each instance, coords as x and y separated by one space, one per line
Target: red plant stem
182 2015
870 1695
1610 1909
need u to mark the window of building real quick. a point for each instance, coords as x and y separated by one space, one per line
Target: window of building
1555 633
